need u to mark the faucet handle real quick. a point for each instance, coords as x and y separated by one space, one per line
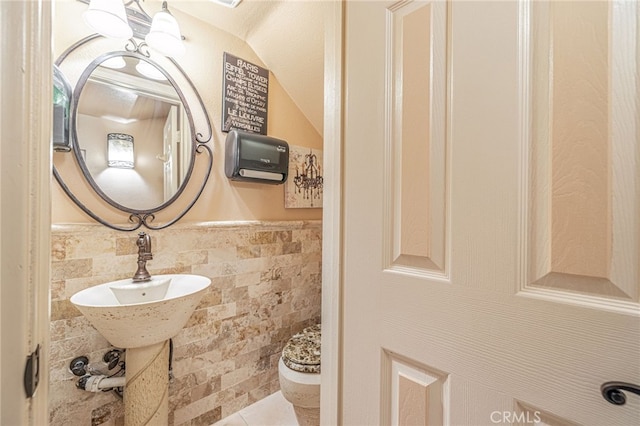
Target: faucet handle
144 253
144 242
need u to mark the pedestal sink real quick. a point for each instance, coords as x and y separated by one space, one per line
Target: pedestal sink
143 329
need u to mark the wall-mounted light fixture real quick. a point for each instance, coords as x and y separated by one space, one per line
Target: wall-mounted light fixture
108 18
164 36
120 150
111 18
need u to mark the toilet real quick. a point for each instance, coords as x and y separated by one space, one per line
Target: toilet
299 373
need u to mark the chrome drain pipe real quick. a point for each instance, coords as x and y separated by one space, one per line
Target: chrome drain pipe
100 383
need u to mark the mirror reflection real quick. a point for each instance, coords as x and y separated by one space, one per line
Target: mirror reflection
131 97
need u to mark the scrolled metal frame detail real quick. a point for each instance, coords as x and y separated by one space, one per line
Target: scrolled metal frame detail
141 48
138 217
612 391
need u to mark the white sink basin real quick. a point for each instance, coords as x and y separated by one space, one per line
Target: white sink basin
134 325
128 292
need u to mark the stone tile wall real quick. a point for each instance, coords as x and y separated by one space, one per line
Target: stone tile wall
265 287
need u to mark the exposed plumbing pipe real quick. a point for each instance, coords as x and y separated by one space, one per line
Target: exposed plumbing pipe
100 383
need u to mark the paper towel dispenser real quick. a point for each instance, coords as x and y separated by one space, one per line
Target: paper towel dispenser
256 158
62 94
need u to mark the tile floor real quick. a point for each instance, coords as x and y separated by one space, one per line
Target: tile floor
273 410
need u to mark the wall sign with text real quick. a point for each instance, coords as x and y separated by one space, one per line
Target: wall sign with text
245 92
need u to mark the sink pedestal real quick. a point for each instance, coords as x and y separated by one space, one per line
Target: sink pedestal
143 328
146 395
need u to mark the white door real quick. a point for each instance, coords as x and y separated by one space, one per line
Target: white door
25 220
491 212
171 137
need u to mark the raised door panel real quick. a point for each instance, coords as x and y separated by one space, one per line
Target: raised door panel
584 164
415 137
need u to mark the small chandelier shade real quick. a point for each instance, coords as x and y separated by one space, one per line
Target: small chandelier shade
116 63
108 18
149 71
164 36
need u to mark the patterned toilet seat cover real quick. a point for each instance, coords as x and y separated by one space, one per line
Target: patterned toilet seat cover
302 351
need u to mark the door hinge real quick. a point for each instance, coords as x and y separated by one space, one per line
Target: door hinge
32 372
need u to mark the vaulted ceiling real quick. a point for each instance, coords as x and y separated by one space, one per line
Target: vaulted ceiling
287 35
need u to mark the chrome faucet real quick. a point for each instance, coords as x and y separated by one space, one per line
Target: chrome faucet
144 254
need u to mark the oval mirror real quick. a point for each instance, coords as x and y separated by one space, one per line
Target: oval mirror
137 128
132 131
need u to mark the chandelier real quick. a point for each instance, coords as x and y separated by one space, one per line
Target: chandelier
309 182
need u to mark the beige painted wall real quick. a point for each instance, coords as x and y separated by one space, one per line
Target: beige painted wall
222 199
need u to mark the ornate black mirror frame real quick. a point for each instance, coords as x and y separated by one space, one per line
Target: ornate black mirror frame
199 139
